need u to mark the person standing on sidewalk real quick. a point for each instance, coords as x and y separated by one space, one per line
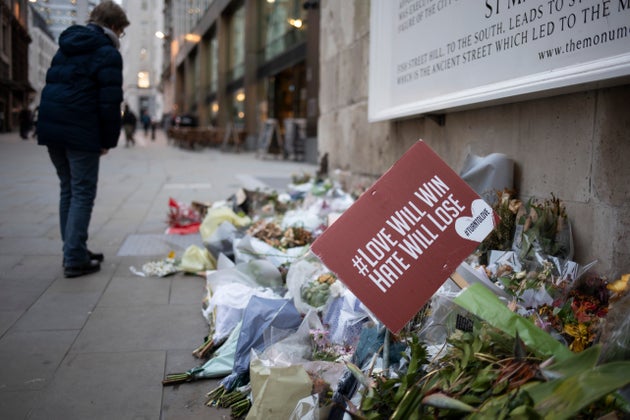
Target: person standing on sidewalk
129 121
79 120
146 122
25 122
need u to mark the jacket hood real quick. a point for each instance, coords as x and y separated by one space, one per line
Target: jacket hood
78 39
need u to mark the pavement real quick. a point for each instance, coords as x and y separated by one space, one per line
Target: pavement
98 346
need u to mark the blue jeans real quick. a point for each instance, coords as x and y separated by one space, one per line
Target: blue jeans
78 176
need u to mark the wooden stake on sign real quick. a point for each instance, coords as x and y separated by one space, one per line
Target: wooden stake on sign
459 280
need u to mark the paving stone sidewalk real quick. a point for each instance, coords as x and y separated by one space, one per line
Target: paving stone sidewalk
98 346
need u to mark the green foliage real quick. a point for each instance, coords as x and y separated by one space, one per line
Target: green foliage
576 387
488 374
383 395
543 227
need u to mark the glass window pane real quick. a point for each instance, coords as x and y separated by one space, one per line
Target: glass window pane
237 44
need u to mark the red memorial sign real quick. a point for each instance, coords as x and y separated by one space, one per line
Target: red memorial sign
397 244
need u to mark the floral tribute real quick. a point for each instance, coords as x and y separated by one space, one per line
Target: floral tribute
538 330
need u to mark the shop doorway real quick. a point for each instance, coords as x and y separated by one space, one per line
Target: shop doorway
287 109
287 93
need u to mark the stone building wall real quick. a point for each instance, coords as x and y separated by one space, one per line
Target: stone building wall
575 146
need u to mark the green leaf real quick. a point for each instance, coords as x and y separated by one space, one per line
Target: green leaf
367 404
498 407
402 389
577 363
524 412
500 388
467 349
480 301
361 377
483 380
477 344
409 406
563 398
471 399
439 400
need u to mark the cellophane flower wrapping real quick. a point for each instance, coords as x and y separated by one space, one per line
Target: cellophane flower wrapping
311 284
229 289
260 315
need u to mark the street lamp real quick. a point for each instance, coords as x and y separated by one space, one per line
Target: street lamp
194 38
296 23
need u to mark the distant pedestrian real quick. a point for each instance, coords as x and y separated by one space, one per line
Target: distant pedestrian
25 122
146 122
79 120
154 124
129 122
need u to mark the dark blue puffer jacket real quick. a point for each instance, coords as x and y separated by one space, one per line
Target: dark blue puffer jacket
80 104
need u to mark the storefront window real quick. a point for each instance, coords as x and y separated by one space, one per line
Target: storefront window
213 56
192 80
284 25
186 15
237 44
197 76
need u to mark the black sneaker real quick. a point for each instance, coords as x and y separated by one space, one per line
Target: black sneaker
89 267
98 256
94 256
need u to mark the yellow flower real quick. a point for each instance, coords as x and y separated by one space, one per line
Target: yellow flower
582 337
619 286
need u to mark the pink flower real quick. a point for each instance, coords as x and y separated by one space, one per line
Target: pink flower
320 337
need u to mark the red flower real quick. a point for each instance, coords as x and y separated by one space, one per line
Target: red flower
583 310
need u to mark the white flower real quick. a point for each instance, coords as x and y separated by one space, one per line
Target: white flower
337 289
159 268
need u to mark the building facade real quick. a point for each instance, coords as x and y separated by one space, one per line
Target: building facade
15 89
142 55
243 63
59 14
573 145
40 54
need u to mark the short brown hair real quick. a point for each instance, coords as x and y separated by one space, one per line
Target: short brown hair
110 15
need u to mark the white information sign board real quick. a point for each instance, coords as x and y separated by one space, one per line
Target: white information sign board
431 55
